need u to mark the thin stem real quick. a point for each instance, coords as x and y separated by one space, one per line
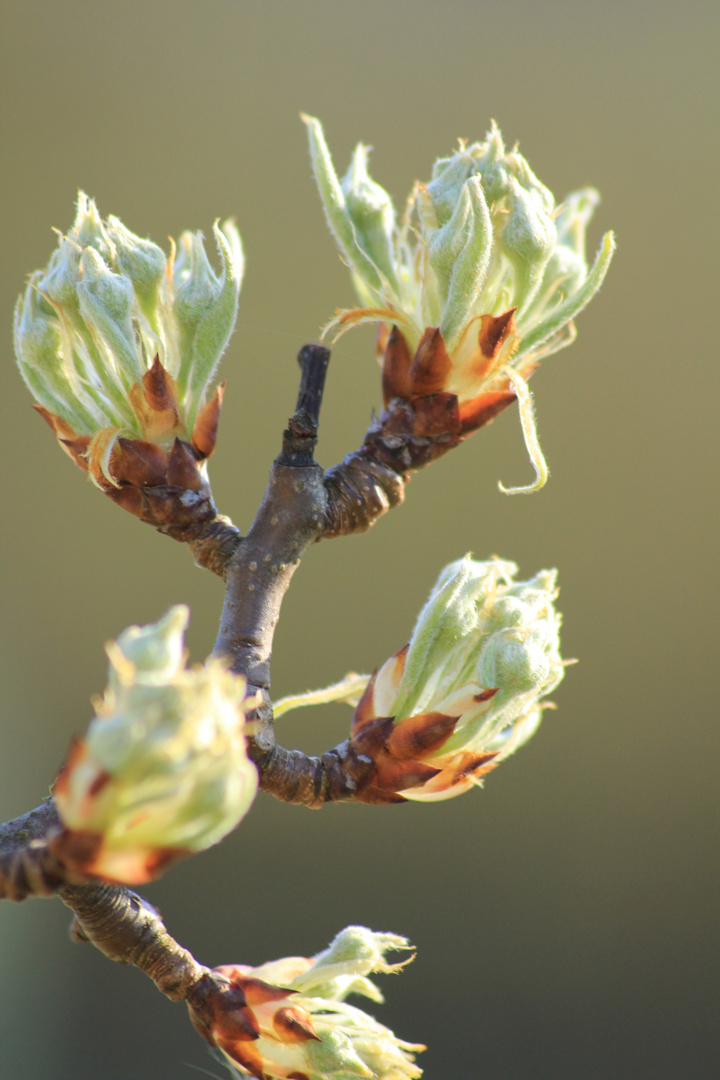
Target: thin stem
118 921
313 361
339 775
128 929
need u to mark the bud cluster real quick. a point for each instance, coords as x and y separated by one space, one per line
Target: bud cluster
289 1018
119 346
163 769
465 692
481 279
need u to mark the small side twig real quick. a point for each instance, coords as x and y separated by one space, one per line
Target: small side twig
313 361
119 922
339 775
128 929
359 491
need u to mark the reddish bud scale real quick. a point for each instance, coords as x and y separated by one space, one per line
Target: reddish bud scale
400 750
220 1014
160 389
82 854
75 446
248 1009
421 382
431 365
421 420
204 436
293 1025
493 332
396 362
397 749
420 735
156 478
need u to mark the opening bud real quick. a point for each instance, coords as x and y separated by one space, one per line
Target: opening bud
295 1022
485 265
163 769
465 692
119 348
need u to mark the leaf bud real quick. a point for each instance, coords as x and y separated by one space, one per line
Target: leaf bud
484 285
447 185
144 264
88 230
492 165
528 239
296 1022
468 688
105 302
121 358
371 212
163 770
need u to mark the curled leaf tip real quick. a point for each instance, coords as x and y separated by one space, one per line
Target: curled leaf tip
529 429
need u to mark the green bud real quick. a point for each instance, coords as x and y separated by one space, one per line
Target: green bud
480 257
107 308
144 264
163 770
509 644
337 214
38 341
88 230
447 629
528 240
354 952
196 283
467 691
155 652
447 185
470 266
105 300
311 1030
527 180
492 166
372 214
59 281
206 310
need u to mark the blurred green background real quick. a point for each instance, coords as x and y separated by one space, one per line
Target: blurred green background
566 917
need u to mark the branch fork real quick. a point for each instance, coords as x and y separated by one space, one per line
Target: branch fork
301 506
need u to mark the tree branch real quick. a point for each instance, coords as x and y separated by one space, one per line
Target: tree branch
300 506
128 929
120 923
290 518
27 866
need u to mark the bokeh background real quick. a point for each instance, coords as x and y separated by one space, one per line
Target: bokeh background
566 917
